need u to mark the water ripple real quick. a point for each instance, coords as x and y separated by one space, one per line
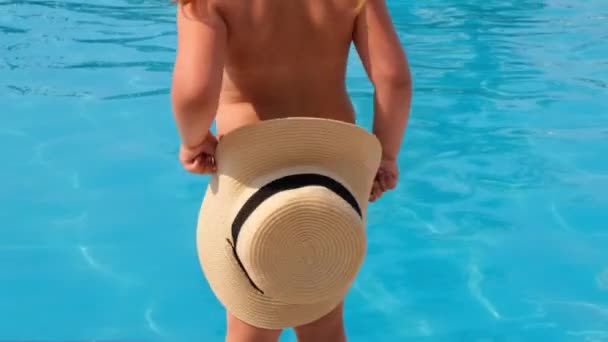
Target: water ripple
151 322
149 66
122 41
474 283
9 30
100 268
156 92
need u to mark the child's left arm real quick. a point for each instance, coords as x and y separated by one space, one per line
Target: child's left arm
198 69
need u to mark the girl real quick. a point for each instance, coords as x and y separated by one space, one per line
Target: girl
257 60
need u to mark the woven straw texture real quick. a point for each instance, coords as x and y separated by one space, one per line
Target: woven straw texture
302 247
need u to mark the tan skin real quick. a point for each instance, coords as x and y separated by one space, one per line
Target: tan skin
240 62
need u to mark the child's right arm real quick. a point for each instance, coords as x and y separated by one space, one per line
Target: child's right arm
387 67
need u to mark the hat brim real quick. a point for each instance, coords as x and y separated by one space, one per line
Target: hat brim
247 158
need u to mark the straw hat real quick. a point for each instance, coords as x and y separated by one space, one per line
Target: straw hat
281 231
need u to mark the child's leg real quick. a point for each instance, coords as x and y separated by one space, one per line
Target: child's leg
239 331
329 328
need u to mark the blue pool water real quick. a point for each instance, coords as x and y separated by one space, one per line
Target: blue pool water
494 234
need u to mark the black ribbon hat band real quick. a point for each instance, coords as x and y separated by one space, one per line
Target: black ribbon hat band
279 185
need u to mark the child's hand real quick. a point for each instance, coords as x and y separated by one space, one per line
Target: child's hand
199 159
386 178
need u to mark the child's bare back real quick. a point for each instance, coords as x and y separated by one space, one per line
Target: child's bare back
285 58
281 58
265 59
242 61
